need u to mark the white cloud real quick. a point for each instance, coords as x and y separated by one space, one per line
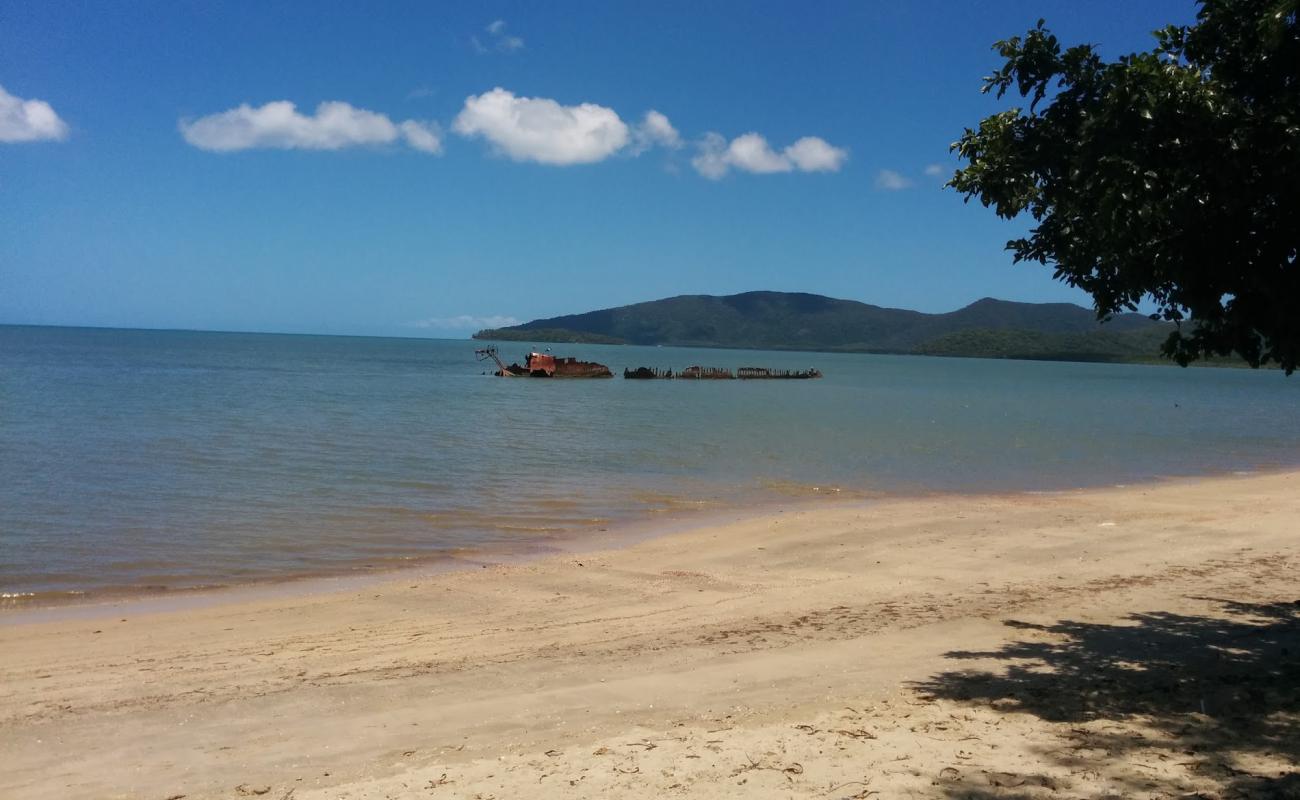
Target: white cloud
509 44
655 130
498 39
751 153
423 136
334 126
711 160
892 181
813 154
466 322
28 120
933 170
540 129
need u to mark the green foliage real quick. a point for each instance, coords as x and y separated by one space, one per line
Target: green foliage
1172 175
1098 345
545 335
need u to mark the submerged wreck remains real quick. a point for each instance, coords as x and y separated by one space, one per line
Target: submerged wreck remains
648 374
763 373
544 365
698 373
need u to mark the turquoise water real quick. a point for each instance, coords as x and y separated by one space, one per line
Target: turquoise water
133 459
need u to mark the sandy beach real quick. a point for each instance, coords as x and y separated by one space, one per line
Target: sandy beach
1139 641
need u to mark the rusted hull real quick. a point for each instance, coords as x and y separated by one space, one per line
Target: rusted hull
582 369
561 368
545 365
648 374
697 373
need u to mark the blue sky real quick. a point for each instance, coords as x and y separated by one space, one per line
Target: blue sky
161 189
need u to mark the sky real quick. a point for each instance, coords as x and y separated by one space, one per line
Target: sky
426 169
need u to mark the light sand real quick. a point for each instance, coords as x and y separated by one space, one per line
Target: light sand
1131 642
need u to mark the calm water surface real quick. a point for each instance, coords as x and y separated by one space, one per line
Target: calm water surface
174 459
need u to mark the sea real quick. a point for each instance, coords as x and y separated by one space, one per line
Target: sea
156 461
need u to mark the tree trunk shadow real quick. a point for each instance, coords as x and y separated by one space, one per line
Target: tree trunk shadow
1216 698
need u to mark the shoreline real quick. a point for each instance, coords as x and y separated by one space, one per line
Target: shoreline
21 607
43 607
777 655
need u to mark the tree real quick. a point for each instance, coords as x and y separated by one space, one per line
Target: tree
1171 175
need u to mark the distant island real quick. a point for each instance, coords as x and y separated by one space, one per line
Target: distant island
987 328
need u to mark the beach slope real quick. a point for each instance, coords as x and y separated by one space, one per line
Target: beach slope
1139 641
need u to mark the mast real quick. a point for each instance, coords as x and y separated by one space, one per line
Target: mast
491 352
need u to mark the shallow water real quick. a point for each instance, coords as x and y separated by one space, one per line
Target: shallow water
133 459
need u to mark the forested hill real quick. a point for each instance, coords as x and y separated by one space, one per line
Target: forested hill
796 321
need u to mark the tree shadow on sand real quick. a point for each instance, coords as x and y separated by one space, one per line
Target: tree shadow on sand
1166 706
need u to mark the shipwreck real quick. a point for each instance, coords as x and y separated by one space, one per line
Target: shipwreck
544 365
763 373
648 374
699 373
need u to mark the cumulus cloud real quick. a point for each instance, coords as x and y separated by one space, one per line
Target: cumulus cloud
497 39
28 120
422 136
751 152
279 124
655 130
465 322
540 129
933 170
711 158
892 181
812 154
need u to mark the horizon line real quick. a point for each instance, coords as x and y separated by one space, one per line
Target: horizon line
469 335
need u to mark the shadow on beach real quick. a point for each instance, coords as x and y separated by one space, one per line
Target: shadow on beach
1166 705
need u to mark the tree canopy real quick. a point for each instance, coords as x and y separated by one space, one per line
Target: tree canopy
1171 175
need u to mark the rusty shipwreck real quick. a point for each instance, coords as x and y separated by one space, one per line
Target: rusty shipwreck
544 365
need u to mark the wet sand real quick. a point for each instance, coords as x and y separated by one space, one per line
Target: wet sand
1136 642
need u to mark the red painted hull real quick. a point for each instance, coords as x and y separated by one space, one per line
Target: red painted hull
545 365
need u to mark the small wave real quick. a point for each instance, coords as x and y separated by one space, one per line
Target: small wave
20 600
795 489
659 501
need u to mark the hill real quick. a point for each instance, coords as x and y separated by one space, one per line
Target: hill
797 321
